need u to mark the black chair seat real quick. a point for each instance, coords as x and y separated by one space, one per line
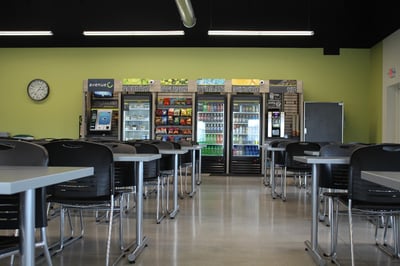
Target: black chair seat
8 244
90 201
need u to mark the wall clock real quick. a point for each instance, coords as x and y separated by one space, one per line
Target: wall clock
38 89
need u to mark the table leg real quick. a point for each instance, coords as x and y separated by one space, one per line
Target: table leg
199 177
266 182
27 225
141 241
312 247
193 173
272 174
175 192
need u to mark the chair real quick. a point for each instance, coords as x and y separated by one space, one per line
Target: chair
89 193
367 198
167 160
298 169
125 181
185 162
333 178
333 181
279 162
152 176
17 152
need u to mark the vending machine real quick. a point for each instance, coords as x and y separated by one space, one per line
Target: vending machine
246 122
136 118
276 124
211 132
101 110
173 117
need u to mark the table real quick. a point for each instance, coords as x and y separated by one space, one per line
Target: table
389 179
176 153
194 148
313 247
24 180
140 158
272 170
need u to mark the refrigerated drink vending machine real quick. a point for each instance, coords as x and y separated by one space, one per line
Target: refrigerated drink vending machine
245 129
211 132
136 116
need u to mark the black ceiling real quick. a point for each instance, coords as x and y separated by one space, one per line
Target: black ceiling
337 23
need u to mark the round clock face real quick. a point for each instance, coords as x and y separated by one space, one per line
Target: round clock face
38 89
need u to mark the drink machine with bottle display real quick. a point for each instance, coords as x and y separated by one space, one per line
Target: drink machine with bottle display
276 124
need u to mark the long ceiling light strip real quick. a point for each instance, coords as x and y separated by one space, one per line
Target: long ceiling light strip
135 33
26 33
258 33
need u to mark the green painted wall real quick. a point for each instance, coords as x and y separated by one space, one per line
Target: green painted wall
347 77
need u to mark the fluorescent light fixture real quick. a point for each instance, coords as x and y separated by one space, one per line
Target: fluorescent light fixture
135 33
26 33
186 11
259 33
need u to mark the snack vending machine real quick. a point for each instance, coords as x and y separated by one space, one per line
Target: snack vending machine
136 116
173 117
245 155
211 132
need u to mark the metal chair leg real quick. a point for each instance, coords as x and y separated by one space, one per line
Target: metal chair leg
351 232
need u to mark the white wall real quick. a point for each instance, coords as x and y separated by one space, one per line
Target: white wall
391 88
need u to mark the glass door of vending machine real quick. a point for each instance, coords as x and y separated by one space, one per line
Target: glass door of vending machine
136 117
211 132
173 117
245 134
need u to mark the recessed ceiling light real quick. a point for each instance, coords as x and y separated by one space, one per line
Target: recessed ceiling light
134 33
25 33
258 33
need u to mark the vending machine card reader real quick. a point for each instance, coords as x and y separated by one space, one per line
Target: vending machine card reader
101 120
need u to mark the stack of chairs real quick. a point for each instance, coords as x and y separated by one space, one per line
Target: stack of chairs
96 192
152 176
367 198
300 171
22 153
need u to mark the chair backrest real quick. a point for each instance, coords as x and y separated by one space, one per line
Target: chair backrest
380 157
22 153
167 160
186 158
297 149
150 169
162 144
123 171
280 155
336 176
83 153
19 152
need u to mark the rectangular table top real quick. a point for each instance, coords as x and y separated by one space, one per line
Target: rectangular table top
323 159
15 179
389 179
136 157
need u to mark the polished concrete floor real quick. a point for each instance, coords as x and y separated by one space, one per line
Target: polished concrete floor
231 220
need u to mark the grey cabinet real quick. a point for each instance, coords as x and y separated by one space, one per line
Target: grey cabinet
323 121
